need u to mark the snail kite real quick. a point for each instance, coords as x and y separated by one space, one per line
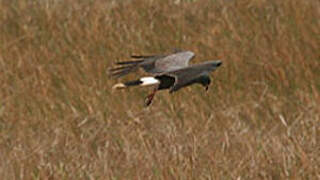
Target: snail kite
171 71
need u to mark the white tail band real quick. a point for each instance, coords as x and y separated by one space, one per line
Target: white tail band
145 81
148 81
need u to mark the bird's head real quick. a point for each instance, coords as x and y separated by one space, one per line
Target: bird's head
209 67
205 81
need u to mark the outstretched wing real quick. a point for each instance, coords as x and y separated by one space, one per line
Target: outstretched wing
154 64
174 61
191 74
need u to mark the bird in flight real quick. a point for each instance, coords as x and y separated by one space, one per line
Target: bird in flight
171 71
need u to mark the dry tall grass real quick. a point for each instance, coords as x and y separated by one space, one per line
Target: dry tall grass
59 119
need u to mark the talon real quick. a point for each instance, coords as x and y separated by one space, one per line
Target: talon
149 98
147 102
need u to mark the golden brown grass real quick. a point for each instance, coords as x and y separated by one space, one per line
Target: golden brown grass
60 120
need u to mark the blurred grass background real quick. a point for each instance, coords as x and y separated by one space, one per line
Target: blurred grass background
60 120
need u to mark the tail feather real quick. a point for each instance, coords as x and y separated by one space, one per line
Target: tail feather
145 81
119 86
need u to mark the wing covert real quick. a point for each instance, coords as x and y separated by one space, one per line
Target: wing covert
174 61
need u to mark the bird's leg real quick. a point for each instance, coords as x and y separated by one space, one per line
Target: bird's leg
150 97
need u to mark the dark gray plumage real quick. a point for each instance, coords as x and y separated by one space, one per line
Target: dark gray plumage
198 73
154 64
171 72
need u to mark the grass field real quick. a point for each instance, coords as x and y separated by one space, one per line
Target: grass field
59 118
